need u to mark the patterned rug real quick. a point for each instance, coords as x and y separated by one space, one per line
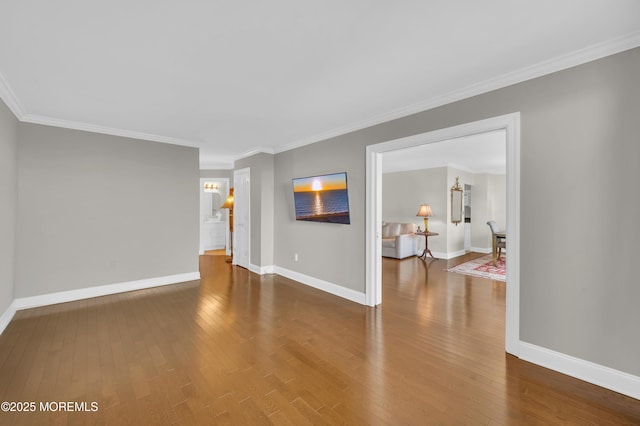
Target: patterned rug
483 267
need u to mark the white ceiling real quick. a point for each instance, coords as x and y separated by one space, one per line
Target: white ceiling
481 153
235 77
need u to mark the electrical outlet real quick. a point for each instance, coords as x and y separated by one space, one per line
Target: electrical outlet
295 257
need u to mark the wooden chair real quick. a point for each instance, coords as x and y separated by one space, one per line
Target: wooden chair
499 240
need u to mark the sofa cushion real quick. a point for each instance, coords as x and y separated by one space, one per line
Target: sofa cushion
389 242
390 230
407 228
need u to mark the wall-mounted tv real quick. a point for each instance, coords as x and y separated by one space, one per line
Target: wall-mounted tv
322 198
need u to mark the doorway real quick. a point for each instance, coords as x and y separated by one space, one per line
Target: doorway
511 124
214 221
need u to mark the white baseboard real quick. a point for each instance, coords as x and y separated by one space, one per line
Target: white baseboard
102 290
606 377
446 256
87 293
6 317
336 290
262 270
483 250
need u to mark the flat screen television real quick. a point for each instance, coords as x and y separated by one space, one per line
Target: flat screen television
322 198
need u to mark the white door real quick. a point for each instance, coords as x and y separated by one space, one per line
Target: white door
241 217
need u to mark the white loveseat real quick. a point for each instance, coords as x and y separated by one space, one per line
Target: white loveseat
399 240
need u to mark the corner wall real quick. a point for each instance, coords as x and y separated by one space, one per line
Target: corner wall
402 194
8 205
97 210
262 210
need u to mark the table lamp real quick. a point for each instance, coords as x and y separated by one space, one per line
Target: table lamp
425 212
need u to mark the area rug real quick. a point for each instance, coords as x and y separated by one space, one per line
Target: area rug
483 267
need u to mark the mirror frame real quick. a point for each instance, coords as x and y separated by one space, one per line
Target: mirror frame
456 203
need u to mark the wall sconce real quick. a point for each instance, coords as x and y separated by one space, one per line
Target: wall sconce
211 187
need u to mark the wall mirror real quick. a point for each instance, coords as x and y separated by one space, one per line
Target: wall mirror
456 203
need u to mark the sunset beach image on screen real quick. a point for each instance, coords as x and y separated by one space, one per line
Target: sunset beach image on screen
322 198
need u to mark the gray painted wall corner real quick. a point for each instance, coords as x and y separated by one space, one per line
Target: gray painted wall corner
262 233
114 210
8 203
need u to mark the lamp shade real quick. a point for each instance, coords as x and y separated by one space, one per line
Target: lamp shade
425 211
228 204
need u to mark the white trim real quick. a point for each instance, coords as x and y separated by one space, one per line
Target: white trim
257 150
7 316
103 290
559 63
94 128
335 289
512 322
597 374
450 255
10 98
87 293
262 270
483 250
588 54
373 226
508 122
244 173
201 216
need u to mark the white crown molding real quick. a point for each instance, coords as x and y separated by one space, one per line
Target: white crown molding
10 98
94 128
582 56
258 150
560 63
228 162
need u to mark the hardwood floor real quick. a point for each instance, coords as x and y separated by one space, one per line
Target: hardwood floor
243 349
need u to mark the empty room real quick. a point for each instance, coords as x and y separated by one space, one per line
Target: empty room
243 213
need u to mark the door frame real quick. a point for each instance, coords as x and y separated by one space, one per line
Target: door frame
508 122
238 200
201 227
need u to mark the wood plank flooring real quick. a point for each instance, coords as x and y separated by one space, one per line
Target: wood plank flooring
237 348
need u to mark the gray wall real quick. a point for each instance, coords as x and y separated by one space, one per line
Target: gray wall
402 194
579 153
262 210
331 252
96 209
488 202
8 203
